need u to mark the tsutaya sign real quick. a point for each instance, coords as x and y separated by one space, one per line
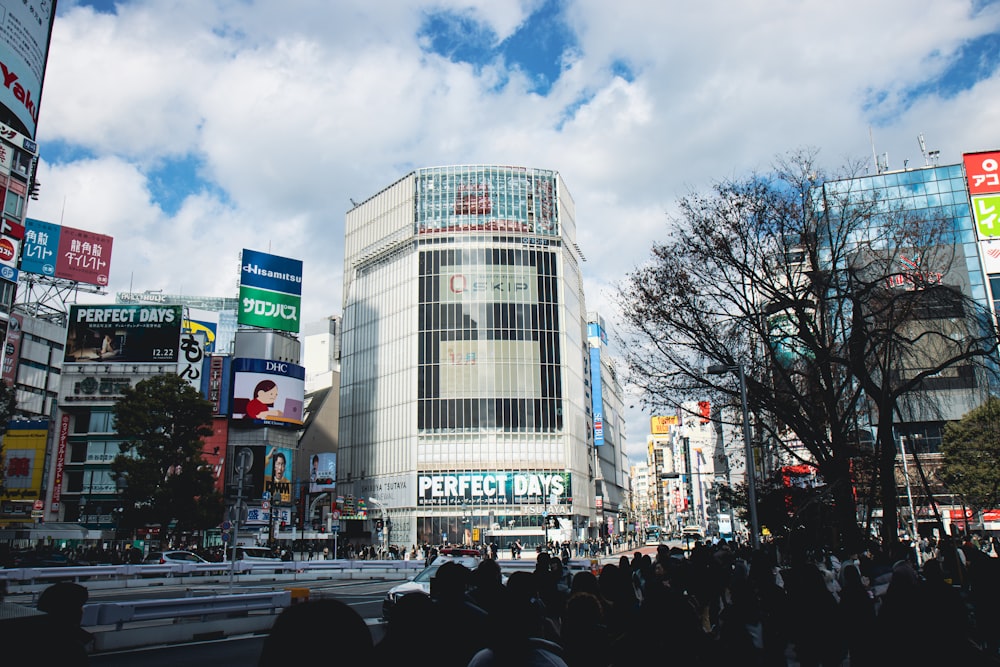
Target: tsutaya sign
493 488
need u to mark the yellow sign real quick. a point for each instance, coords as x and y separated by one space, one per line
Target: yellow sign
661 425
475 535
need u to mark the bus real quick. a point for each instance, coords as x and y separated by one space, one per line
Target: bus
654 534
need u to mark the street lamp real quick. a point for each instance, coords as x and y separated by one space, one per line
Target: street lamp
121 486
719 369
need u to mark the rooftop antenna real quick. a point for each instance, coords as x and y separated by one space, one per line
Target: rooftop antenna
871 138
930 157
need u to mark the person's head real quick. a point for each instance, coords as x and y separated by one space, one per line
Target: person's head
292 640
266 392
64 601
278 465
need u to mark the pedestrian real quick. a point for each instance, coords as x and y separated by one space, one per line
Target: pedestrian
63 602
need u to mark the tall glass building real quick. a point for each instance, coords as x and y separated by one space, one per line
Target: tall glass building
465 406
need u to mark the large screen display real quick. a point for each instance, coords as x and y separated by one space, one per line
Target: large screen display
129 333
267 393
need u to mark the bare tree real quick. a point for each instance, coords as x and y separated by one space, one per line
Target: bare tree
798 278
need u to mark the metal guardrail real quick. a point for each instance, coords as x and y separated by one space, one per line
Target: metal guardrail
119 572
119 613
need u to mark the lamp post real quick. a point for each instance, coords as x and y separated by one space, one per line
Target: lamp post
719 369
121 486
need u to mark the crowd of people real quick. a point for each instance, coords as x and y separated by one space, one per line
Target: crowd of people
715 604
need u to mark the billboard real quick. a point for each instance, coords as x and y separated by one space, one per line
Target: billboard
128 333
494 488
67 253
267 393
322 472
270 291
982 173
203 322
27 29
660 425
12 349
23 459
597 395
277 484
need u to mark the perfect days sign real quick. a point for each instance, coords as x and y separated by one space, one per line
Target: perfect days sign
493 488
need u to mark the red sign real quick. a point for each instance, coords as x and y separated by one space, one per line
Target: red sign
84 256
11 229
983 172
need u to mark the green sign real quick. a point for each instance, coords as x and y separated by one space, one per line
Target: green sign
986 210
269 310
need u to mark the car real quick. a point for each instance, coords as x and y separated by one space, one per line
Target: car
165 557
255 555
421 582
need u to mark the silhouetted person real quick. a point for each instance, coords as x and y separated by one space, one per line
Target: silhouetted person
301 629
63 602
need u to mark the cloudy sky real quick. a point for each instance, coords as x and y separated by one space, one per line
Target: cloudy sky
190 129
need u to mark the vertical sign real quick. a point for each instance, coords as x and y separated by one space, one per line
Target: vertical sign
192 357
982 173
597 395
12 349
57 482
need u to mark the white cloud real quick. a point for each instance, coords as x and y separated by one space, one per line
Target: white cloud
290 110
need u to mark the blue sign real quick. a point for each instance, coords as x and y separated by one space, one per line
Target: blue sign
40 247
271 272
597 395
8 273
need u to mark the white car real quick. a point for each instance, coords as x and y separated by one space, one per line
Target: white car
421 583
255 555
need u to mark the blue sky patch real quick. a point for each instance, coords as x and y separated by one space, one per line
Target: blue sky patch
536 48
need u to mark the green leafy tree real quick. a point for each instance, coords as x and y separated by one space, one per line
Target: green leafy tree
971 456
162 421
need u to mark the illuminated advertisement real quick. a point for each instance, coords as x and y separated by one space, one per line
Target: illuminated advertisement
277 485
494 488
67 253
9 252
270 291
27 29
267 393
23 459
322 472
506 199
126 333
489 341
597 395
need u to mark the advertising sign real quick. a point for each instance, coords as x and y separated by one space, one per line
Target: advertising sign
203 322
192 358
9 252
267 393
26 27
270 291
322 472
660 425
277 483
12 349
65 252
253 480
985 209
597 395
57 482
493 488
23 459
126 333
982 171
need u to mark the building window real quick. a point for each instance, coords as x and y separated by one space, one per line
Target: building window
13 206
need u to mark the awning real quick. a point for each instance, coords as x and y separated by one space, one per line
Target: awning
54 530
